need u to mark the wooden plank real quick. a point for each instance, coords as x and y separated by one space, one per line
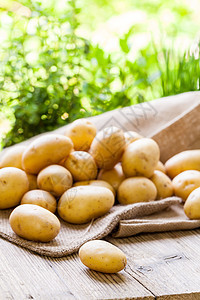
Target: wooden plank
168 264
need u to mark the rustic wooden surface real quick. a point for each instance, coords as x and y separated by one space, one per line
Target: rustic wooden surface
160 266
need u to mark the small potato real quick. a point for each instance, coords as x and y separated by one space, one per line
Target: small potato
163 185
81 204
131 136
34 223
183 161
113 176
54 179
102 256
185 182
140 158
107 147
81 165
96 183
41 198
136 189
44 151
82 133
12 157
192 205
13 185
32 179
160 167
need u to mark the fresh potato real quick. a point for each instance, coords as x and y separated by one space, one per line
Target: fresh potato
185 182
131 136
102 256
82 133
107 147
113 176
81 165
183 161
163 185
34 223
44 151
32 179
81 204
13 185
192 205
12 157
140 158
41 198
96 183
54 179
136 189
160 167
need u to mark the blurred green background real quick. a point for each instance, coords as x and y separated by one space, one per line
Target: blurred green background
62 60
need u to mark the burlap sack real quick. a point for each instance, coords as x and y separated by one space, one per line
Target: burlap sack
174 122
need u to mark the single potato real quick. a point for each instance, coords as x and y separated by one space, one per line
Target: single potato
183 161
44 151
54 179
136 189
185 182
100 183
82 133
113 176
32 179
131 136
81 165
34 223
160 167
12 157
81 204
102 256
107 147
140 158
163 184
13 185
41 198
192 205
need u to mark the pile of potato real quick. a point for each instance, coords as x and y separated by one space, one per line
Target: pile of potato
79 176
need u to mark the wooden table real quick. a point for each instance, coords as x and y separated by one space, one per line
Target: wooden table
160 266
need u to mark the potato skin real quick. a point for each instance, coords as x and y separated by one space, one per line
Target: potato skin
140 158
34 223
163 185
136 189
107 147
185 182
13 185
41 198
81 165
160 167
113 176
82 133
183 161
12 157
32 179
44 151
54 179
101 183
192 205
131 136
81 204
102 256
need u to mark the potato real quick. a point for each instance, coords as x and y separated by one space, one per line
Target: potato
192 205
81 204
102 256
136 189
12 157
44 151
82 133
41 198
163 185
32 179
34 223
131 136
183 161
54 179
113 176
160 167
107 147
13 185
185 182
81 165
140 158
96 183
